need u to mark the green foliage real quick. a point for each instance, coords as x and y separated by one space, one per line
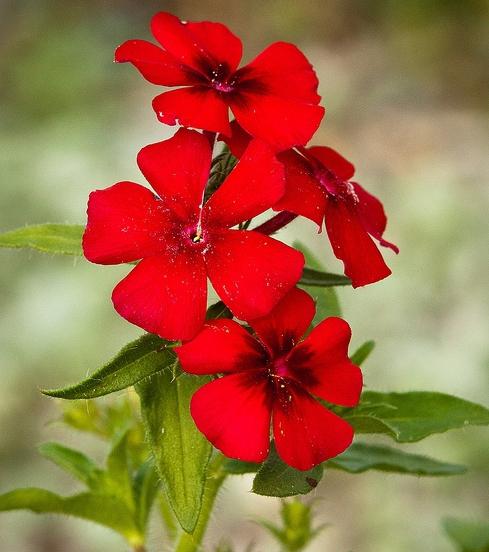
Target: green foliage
119 495
363 352
361 457
139 359
275 478
412 416
181 452
58 239
468 536
296 531
312 277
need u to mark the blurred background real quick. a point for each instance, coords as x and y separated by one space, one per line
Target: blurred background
405 85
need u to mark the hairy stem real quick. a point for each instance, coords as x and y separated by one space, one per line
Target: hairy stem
276 223
190 542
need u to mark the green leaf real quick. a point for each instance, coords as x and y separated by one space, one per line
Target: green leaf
58 239
145 488
218 310
311 277
469 536
238 467
74 462
362 353
275 478
105 510
118 481
412 416
327 302
139 359
361 457
181 452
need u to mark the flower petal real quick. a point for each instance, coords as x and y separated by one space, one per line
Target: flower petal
254 185
197 107
303 194
282 328
156 65
178 169
305 432
333 161
276 97
251 272
351 244
222 346
234 412
125 223
321 364
238 139
199 45
281 122
166 295
372 215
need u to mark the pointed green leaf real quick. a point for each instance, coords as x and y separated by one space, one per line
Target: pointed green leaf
312 277
362 353
58 239
238 467
275 478
118 481
181 452
361 457
103 510
74 462
469 536
218 310
145 487
412 416
139 359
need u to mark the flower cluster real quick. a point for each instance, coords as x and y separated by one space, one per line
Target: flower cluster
181 235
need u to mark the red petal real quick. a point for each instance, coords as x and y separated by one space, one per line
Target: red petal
237 141
372 215
305 432
281 122
333 161
321 364
234 413
125 223
352 244
251 272
303 194
197 107
156 65
282 328
222 346
165 296
282 70
253 186
178 169
197 45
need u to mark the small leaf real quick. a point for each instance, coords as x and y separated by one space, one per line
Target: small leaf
139 359
469 536
118 480
362 353
181 452
238 467
58 239
218 310
105 510
412 416
311 277
361 457
74 462
275 478
145 488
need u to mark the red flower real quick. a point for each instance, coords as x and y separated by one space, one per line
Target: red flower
274 97
275 376
181 241
319 187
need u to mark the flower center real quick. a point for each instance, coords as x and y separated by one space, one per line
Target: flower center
219 78
335 187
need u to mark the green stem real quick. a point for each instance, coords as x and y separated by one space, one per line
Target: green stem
190 542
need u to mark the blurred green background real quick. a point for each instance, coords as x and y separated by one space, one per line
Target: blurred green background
405 85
